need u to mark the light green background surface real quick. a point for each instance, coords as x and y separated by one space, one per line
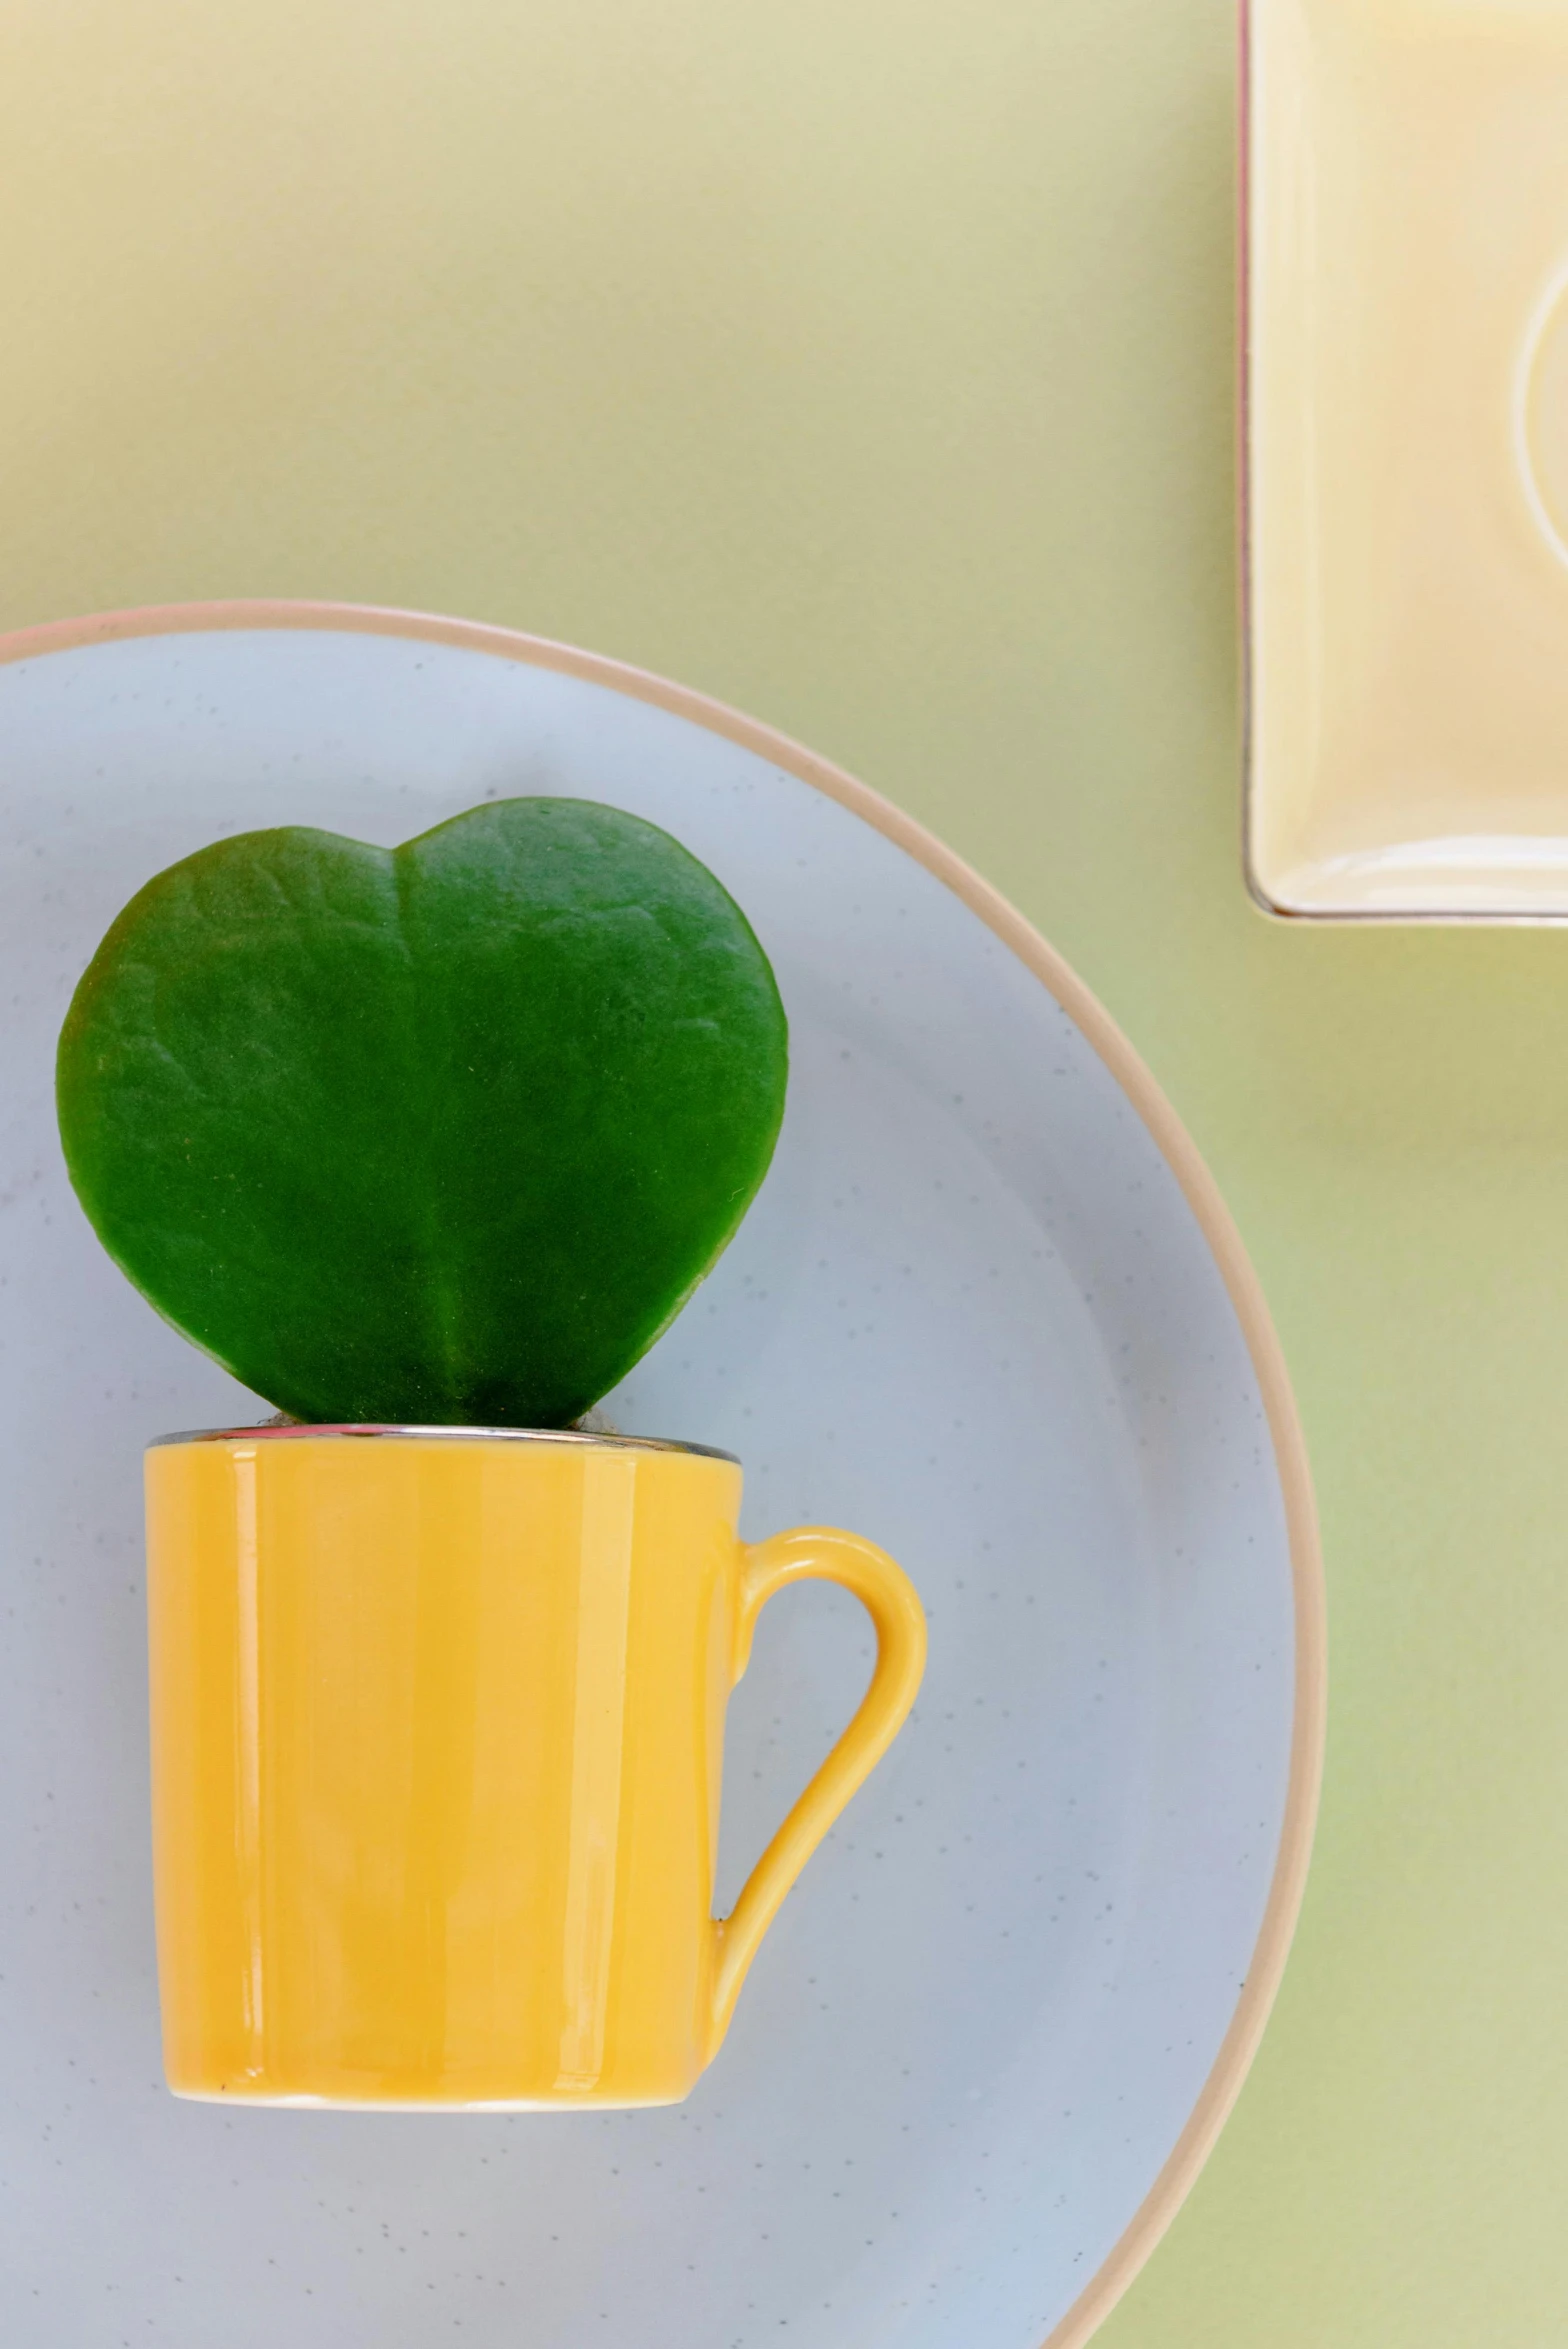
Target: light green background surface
869 364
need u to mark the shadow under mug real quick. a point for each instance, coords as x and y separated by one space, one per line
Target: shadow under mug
437 1731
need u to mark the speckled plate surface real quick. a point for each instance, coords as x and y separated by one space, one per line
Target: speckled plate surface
988 1309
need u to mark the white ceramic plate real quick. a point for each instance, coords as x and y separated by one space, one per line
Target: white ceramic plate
987 1309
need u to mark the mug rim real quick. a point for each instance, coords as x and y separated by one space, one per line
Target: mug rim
363 1430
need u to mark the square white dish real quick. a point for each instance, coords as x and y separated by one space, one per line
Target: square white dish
1405 304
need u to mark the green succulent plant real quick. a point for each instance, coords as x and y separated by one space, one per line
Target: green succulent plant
442 1134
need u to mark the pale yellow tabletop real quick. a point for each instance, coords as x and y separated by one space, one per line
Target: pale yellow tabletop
870 366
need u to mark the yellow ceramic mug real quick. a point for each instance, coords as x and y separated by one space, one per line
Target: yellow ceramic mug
437 1724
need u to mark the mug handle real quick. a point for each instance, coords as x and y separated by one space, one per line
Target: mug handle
818 1553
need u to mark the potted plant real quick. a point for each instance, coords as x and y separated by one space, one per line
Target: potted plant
426 1146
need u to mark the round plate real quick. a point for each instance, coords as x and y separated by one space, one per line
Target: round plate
987 1309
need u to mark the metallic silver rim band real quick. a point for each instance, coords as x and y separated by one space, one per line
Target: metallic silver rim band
291 1430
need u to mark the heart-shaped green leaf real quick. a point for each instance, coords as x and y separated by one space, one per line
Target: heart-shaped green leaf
444 1133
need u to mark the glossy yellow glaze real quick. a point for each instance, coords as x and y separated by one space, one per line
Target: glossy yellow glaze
437 1731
